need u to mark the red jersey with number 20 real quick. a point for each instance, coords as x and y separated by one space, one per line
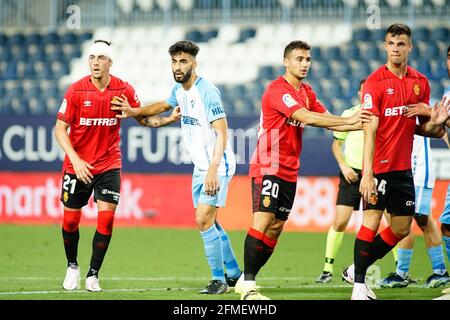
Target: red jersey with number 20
387 96
280 137
94 128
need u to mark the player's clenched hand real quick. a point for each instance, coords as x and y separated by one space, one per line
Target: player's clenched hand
82 171
361 115
211 183
349 174
417 109
367 187
176 114
121 104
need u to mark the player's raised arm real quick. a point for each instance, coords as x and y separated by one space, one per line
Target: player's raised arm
121 104
327 120
159 121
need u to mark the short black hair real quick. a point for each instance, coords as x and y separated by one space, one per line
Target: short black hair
361 82
448 49
103 41
295 45
184 46
397 29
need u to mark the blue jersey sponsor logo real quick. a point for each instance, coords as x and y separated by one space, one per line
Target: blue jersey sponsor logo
190 121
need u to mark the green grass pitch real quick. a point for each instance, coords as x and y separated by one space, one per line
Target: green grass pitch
169 264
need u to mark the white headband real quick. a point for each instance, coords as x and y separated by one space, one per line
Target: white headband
101 49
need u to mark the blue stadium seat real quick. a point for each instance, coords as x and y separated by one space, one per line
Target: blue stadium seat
50 38
212 33
352 52
84 37
377 35
321 70
238 91
36 106
332 53
29 72
439 71
437 90
266 72
33 92
421 33
441 33
34 38
372 52
316 53
361 35
343 70
53 105
424 67
21 54
3 39
334 90
36 53
362 71
69 38
52 91
243 106
195 36
5 105
5 53
431 51
246 33
10 72
16 38
19 106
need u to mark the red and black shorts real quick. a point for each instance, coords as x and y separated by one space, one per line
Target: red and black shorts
396 193
75 194
273 194
348 194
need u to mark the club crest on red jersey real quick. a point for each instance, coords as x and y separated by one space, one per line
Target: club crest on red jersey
416 89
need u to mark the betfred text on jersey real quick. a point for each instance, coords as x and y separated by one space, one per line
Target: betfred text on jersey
98 121
395 111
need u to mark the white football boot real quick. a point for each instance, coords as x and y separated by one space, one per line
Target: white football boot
92 284
72 279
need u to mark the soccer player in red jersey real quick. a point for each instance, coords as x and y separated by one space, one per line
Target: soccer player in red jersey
93 158
287 106
387 181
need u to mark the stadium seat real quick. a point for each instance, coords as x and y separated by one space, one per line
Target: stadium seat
361 35
34 38
19 106
50 38
246 33
69 38
332 53
266 72
17 38
195 36
421 33
36 106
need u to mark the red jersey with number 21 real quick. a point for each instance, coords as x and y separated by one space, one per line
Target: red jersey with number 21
94 128
387 96
280 137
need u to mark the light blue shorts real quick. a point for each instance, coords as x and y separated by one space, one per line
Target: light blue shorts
199 195
445 216
423 200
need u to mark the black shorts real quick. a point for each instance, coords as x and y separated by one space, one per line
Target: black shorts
348 194
272 194
75 194
396 193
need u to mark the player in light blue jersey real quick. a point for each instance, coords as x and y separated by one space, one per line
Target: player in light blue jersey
424 179
445 216
204 127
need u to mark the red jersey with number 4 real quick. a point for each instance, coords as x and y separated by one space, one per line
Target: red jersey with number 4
280 137
387 96
94 128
